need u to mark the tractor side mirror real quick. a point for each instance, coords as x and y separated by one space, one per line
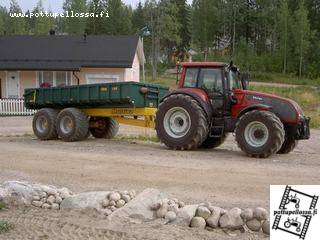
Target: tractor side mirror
245 80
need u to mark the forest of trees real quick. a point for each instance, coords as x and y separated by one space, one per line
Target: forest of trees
280 36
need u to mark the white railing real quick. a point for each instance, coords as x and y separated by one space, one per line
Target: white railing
14 107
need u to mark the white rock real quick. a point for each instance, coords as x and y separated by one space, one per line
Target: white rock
37 203
112 203
181 204
170 216
126 198
185 215
4 194
52 191
44 200
261 214
43 195
139 207
120 203
18 192
198 222
45 206
162 211
58 199
213 219
203 212
36 198
55 206
105 203
132 193
51 199
232 219
254 225
91 200
113 208
155 206
64 193
247 214
173 208
106 212
114 196
266 227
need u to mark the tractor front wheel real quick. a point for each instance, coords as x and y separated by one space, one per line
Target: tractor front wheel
104 127
288 145
181 123
213 142
259 133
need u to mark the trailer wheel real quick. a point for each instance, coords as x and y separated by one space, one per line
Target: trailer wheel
107 127
181 123
44 124
72 125
259 133
288 145
213 142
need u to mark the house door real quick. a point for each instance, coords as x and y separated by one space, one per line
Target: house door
13 85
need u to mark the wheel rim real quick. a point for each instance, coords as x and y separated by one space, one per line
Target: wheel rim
42 124
177 122
256 134
66 124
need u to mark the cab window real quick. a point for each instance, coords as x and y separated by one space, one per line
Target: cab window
211 79
234 80
191 77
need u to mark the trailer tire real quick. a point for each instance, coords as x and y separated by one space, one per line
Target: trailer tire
108 127
72 125
259 133
214 142
288 145
181 123
44 124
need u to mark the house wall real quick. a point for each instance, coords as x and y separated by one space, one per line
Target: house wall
3 83
82 75
28 79
133 74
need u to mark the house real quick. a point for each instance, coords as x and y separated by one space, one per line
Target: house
45 61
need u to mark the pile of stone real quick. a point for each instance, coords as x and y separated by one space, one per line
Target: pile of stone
167 208
115 200
257 219
49 197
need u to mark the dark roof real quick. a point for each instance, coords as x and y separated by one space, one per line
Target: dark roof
66 52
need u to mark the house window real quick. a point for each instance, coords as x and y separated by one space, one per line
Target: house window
54 79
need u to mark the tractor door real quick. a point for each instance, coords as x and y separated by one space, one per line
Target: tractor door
211 80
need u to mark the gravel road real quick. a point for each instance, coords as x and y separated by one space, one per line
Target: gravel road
224 176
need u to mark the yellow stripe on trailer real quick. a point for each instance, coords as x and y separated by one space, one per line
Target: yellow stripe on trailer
141 117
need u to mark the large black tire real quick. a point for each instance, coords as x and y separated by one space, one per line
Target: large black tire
288 145
259 133
44 124
181 123
108 128
72 125
213 142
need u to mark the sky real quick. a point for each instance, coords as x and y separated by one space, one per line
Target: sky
54 5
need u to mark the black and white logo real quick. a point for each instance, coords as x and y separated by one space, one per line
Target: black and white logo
294 212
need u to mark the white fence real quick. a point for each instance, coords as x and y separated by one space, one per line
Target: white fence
13 107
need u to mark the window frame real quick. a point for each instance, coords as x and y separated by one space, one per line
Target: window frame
40 73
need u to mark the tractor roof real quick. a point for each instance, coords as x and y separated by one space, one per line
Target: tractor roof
203 64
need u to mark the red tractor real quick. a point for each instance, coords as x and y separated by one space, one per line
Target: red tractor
212 100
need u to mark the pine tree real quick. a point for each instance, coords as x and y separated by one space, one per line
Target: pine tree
75 25
3 14
41 25
139 20
302 34
15 25
96 25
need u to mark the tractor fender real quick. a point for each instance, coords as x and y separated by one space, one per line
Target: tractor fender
254 107
206 106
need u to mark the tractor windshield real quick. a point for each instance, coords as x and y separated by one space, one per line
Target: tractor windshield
234 80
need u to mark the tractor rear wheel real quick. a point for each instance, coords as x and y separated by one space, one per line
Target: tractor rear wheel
44 124
213 142
259 133
106 127
181 123
288 145
72 125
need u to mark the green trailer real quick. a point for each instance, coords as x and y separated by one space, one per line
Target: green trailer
73 112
